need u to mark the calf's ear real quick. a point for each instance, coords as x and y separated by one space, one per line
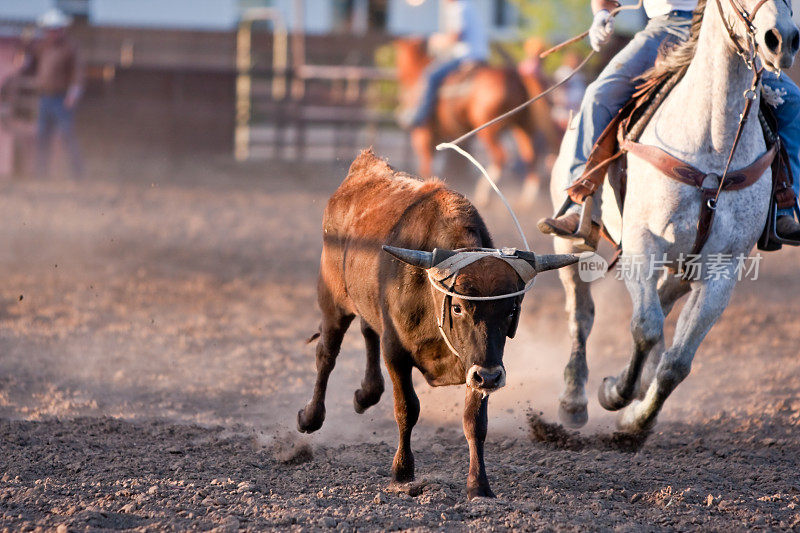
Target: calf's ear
418 258
545 262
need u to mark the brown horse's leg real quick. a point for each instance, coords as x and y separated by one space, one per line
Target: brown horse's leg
489 136
422 141
527 153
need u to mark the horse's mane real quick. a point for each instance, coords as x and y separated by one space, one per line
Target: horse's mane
674 58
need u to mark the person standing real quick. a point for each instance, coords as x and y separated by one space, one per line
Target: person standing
58 76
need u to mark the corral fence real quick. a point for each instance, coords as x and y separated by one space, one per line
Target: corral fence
258 93
17 112
289 109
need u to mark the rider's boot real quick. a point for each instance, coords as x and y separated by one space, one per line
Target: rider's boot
788 228
567 226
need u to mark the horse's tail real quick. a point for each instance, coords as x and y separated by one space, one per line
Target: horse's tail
539 115
517 91
516 88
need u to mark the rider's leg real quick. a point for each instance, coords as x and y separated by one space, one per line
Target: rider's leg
788 115
616 83
608 94
434 77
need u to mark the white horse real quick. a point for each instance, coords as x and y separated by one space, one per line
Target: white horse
696 123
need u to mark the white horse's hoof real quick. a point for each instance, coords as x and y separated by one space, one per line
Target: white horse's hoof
629 421
608 396
573 415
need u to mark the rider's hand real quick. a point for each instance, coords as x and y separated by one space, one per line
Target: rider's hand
601 30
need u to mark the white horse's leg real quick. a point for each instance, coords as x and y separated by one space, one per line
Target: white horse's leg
580 309
670 289
706 303
647 327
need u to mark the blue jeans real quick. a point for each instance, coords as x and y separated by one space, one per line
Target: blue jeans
788 115
54 115
615 85
434 78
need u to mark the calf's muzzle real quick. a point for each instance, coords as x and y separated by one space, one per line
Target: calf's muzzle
485 379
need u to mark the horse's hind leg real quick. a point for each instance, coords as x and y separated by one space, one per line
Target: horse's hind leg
372 385
422 142
706 303
580 307
335 322
527 152
647 328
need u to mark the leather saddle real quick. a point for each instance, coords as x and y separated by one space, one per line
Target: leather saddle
459 83
622 134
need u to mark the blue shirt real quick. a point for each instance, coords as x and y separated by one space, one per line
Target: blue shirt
461 17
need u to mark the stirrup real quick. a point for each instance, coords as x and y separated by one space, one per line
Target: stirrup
773 235
584 230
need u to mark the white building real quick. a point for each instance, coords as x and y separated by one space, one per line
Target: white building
398 17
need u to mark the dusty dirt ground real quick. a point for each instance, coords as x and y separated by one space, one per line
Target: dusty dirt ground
152 320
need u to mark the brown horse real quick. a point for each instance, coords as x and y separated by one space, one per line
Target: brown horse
489 92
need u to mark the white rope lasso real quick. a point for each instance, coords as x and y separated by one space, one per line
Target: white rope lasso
472 160
529 285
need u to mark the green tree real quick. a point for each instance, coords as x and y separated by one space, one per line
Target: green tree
553 19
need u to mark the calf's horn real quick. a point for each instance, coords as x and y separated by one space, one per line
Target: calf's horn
418 258
545 262
415 258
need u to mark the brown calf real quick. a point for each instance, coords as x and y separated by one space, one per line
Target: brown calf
399 309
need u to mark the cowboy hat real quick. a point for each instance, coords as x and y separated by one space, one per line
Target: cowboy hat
54 19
